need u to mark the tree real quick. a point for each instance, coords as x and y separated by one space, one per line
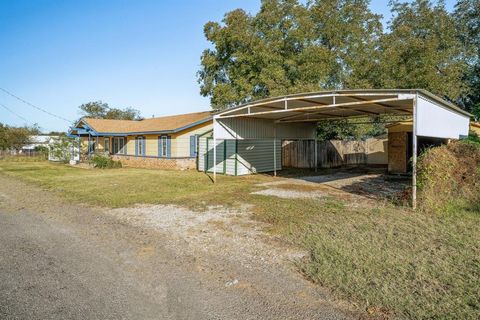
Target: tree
290 47
14 138
101 110
467 20
422 50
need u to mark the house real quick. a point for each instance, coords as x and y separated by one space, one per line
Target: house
39 141
165 142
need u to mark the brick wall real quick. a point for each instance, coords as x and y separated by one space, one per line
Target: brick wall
157 163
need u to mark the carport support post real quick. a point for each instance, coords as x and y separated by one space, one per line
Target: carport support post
274 150
316 153
214 151
414 155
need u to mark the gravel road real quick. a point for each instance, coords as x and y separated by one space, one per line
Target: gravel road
60 260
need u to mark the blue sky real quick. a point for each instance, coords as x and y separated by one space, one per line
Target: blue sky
143 54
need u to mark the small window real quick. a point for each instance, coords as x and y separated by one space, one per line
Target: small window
106 145
118 145
164 146
140 146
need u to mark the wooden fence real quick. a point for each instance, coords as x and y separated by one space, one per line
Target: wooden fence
23 153
335 153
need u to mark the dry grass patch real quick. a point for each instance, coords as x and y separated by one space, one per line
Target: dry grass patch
387 258
410 264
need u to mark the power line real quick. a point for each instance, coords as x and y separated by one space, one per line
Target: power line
36 107
13 112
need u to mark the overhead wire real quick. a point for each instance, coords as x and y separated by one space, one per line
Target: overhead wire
13 112
34 106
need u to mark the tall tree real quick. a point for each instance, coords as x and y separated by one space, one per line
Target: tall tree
101 110
423 50
290 47
467 19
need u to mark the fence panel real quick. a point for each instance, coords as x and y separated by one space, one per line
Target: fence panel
330 154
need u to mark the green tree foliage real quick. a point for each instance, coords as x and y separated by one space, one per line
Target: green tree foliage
290 47
101 110
467 19
422 50
62 148
14 138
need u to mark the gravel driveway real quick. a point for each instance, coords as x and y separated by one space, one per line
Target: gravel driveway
60 260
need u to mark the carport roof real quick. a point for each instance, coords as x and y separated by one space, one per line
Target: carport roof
333 105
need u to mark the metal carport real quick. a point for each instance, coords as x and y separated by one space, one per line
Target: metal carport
298 114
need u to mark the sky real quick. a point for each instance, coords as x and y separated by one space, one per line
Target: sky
143 54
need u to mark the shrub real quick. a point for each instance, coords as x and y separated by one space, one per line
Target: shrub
449 177
104 162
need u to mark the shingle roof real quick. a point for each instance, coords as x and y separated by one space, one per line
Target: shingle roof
168 123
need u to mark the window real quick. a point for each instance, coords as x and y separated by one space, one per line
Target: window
193 145
164 146
118 145
91 146
106 145
140 146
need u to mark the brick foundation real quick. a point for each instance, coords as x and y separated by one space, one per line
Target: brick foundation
157 163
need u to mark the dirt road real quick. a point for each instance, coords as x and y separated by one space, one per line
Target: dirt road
67 261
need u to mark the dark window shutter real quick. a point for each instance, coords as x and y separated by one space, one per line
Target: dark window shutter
159 146
193 151
169 146
136 146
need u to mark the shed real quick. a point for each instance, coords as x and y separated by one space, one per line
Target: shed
248 137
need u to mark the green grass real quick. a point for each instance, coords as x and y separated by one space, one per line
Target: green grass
408 264
127 187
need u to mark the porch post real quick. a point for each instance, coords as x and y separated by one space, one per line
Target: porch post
316 153
214 151
414 154
88 147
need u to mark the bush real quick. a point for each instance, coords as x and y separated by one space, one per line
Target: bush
449 177
104 162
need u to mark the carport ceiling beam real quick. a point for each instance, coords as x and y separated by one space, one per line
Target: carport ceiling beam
347 105
331 118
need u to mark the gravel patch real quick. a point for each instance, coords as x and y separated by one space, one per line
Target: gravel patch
289 194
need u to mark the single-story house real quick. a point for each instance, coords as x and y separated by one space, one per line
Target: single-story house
164 142
38 141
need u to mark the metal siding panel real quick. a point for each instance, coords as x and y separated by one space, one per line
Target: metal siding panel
256 155
250 128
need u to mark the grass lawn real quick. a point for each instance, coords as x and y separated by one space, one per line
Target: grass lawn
407 264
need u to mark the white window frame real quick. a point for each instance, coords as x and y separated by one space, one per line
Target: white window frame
119 150
106 145
164 146
141 146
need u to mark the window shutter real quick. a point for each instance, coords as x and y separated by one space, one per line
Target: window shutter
169 146
159 146
144 149
136 146
192 146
